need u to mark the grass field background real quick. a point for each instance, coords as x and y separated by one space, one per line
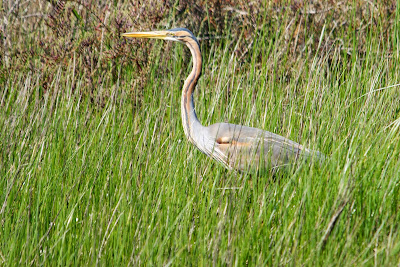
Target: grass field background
103 174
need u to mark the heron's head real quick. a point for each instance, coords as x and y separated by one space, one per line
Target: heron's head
179 34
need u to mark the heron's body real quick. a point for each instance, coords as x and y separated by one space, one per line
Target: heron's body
237 147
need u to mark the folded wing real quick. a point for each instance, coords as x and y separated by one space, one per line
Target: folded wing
247 148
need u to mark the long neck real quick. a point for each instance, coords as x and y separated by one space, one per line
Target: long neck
189 118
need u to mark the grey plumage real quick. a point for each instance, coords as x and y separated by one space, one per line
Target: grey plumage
235 146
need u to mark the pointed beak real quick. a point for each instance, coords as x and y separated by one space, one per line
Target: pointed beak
153 35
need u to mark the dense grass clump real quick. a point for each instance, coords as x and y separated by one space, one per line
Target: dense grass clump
95 167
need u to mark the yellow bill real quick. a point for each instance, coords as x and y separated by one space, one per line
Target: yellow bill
153 35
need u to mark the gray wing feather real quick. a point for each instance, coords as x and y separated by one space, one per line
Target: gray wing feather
248 148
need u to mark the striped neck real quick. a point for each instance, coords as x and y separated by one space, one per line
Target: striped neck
189 118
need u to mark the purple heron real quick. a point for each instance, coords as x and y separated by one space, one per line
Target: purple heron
236 146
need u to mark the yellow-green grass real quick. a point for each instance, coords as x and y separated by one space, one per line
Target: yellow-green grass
119 184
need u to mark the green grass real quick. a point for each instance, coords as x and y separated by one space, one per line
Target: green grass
119 184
